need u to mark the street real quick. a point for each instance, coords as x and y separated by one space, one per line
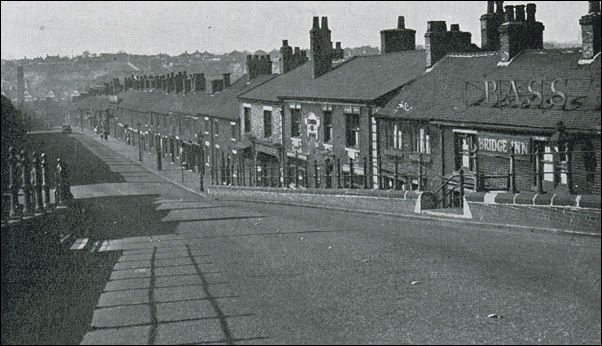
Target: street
157 264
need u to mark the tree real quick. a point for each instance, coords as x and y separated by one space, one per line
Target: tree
14 128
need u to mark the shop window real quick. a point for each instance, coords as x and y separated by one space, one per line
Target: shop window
295 123
553 161
247 119
352 130
267 123
327 126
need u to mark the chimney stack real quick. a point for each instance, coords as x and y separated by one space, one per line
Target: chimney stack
590 31
518 33
320 48
439 42
490 23
397 40
226 77
258 64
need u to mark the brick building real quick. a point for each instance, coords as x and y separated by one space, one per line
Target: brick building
317 118
477 110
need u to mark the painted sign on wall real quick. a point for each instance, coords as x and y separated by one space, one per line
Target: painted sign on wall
493 142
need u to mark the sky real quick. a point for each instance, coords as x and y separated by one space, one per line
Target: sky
32 29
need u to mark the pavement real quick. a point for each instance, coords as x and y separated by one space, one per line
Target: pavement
165 265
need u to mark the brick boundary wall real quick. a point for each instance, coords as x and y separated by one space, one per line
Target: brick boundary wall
560 211
396 202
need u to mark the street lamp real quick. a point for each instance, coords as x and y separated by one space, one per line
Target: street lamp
139 143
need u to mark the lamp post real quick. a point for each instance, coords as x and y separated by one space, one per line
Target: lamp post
139 143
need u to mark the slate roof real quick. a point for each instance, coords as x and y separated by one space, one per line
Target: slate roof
361 78
223 104
441 94
96 103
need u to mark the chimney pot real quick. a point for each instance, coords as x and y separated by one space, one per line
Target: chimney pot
594 6
436 26
531 9
316 24
490 6
324 22
454 27
509 13
297 50
499 7
338 45
284 43
401 23
520 13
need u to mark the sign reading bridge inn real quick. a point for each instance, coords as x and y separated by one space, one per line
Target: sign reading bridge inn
498 143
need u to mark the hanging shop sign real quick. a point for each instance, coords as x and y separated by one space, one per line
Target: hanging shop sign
494 142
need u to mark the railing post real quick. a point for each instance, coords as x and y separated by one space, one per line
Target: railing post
512 173
351 173
338 173
37 183
396 176
461 188
568 168
26 183
172 149
538 172
45 182
15 212
420 172
365 172
316 178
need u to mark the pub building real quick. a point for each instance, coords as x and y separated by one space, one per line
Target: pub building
519 118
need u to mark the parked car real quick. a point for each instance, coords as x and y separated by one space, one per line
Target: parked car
66 129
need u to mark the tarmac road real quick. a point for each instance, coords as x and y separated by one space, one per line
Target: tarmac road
189 269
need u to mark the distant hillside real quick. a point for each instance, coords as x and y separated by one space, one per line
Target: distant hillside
63 75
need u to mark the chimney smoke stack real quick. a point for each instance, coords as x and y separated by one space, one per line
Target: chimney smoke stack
594 6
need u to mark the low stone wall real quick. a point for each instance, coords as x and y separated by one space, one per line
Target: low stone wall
389 201
556 211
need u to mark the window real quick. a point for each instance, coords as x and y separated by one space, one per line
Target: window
397 136
422 141
327 126
247 119
352 130
216 127
553 161
267 123
233 131
295 123
206 125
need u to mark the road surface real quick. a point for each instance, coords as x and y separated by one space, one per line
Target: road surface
158 264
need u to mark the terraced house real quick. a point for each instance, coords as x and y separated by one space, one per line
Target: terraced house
316 122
